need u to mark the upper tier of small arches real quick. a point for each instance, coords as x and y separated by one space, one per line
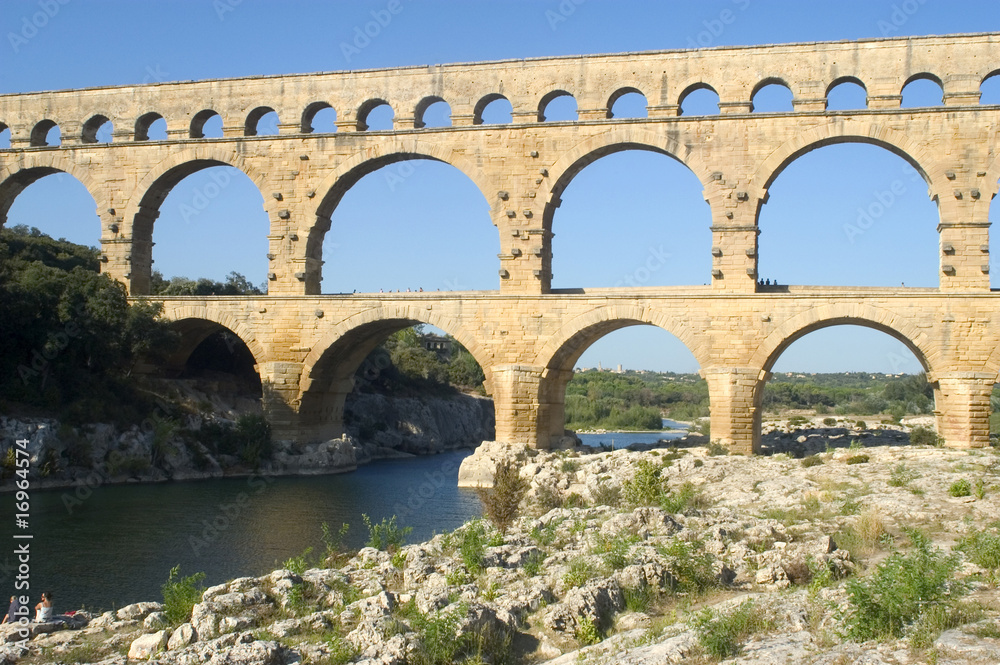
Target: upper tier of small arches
363 101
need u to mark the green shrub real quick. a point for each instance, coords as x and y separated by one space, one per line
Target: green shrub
902 588
501 502
386 535
829 422
298 564
901 476
691 567
254 434
960 487
645 487
797 420
181 594
341 651
580 570
924 436
857 459
587 632
638 599
715 448
982 548
684 500
472 546
723 635
615 550
606 495
812 460
569 466
533 566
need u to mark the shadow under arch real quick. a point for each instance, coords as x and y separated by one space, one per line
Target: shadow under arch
195 322
845 132
560 355
144 204
193 332
328 371
350 172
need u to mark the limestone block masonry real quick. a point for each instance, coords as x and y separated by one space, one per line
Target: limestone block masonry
526 335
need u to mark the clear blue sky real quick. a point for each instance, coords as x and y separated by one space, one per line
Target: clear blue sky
653 202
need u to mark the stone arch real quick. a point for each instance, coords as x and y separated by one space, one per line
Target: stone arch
92 126
477 118
844 79
569 342
559 355
143 123
350 171
250 126
196 322
617 139
39 133
144 204
848 313
367 107
923 76
546 99
690 88
848 131
198 122
15 177
421 108
618 94
770 80
309 113
329 368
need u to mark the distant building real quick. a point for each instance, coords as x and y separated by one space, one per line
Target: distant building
442 346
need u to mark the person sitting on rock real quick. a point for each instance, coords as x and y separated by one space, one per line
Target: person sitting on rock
14 611
44 609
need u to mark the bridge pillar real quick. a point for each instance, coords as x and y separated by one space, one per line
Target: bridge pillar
280 386
519 413
734 395
962 407
965 254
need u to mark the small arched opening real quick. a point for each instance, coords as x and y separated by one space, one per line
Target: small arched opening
493 109
922 90
262 121
846 94
698 99
432 112
206 124
557 106
46 134
772 95
627 103
151 127
319 118
375 115
97 129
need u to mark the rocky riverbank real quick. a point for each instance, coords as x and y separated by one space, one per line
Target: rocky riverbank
177 447
659 556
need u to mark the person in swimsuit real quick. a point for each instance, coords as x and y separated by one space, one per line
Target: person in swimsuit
44 609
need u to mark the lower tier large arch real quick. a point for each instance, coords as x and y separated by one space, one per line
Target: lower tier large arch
328 370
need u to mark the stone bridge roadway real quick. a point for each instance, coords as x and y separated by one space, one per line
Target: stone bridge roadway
307 348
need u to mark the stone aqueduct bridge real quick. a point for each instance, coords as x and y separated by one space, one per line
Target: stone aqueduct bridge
526 335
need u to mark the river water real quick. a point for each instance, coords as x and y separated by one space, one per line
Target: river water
116 545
